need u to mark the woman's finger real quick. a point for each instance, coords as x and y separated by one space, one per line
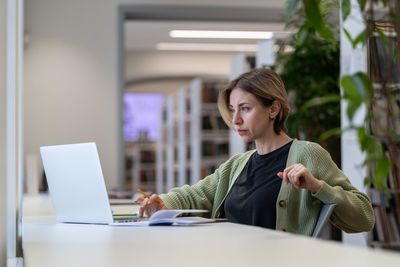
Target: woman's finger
143 207
286 172
138 200
156 200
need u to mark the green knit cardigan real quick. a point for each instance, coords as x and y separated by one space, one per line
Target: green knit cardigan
299 208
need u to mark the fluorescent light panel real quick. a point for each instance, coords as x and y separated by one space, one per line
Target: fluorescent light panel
221 34
207 47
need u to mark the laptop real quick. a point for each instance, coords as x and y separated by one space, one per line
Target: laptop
76 184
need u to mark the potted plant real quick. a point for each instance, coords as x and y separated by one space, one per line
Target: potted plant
378 90
310 71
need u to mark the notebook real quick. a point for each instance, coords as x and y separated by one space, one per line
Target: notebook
76 184
169 217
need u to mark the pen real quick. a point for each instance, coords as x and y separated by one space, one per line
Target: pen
147 196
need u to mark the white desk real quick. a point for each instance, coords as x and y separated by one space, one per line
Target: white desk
46 243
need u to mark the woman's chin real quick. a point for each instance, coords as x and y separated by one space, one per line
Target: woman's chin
246 139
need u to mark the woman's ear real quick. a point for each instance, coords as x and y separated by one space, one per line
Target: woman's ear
274 109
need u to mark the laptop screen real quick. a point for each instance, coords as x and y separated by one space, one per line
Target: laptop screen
76 183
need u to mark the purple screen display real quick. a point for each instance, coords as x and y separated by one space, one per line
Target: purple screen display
142 113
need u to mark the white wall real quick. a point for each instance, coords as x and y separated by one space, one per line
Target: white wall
162 86
3 207
182 65
150 64
351 61
71 78
70 74
10 92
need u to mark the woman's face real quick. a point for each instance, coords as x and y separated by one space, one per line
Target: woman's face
249 117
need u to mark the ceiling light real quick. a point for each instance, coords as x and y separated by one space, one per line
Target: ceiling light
221 34
207 47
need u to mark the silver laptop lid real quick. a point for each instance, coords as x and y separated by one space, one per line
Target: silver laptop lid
76 183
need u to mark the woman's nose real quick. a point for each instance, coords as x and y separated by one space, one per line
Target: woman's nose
236 119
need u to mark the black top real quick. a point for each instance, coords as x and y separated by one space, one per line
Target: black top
252 198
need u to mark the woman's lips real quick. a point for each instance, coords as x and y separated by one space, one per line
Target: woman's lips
241 132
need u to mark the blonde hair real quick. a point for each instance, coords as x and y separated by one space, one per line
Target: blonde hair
267 86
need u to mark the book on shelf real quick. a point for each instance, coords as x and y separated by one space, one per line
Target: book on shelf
381 123
206 123
393 228
205 171
207 148
210 92
210 148
382 64
381 223
221 124
147 156
394 175
386 210
223 149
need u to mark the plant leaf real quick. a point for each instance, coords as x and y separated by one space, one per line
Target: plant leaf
317 101
382 170
384 38
291 8
362 4
362 140
314 16
302 35
346 8
361 37
349 37
368 181
351 94
330 133
366 88
382 167
325 32
369 144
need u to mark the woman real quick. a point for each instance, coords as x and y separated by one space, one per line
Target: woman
283 183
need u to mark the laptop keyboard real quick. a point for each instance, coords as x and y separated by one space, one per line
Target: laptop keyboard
127 219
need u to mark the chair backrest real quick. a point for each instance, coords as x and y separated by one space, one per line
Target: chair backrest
324 216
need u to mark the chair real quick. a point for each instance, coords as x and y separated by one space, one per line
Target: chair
324 216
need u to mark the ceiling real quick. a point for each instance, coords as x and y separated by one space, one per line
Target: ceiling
144 35
145 27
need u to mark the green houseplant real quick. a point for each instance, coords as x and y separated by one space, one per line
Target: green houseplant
358 89
378 91
311 70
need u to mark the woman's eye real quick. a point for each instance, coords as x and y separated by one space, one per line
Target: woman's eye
244 109
232 111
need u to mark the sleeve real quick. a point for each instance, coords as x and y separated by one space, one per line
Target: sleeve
353 212
198 196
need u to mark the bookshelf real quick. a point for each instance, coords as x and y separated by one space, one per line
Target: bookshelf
209 135
172 149
386 230
385 125
165 147
194 139
144 166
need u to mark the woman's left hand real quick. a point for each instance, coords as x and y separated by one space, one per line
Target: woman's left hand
300 177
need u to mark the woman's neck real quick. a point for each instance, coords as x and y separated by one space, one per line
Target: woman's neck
271 143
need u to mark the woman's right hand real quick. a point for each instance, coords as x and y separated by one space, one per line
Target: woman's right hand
150 205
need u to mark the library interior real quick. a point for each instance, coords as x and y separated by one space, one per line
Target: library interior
108 105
